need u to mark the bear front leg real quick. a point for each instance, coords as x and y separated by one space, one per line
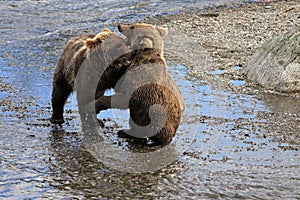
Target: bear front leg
59 96
91 107
118 100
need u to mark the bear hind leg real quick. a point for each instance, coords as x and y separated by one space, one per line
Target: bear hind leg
59 96
164 137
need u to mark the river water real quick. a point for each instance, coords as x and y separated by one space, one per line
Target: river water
229 145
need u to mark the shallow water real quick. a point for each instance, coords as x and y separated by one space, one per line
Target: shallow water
229 145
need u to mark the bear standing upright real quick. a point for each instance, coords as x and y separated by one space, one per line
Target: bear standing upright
90 64
154 100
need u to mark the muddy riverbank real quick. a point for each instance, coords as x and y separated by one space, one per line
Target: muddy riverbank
236 139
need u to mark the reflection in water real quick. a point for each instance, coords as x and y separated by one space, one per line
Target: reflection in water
132 162
244 146
74 169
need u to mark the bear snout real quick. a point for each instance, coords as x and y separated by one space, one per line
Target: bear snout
146 43
126 59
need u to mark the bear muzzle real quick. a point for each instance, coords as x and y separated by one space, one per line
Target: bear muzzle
146 43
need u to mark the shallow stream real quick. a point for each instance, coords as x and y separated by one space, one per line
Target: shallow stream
229 144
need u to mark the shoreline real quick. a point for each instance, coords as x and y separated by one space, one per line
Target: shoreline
246 139
231 33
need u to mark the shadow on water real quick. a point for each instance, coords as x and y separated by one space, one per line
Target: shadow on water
234 145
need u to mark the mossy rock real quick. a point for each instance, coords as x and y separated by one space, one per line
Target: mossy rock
276 65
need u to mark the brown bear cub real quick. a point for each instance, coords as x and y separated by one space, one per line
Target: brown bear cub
154 100
90 64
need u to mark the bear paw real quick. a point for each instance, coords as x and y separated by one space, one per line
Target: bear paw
57 121
123 134
101 123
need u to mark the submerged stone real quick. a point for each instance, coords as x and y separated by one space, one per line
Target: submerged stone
276 65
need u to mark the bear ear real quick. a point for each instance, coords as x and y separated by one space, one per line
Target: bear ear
107 30
91 43
162 31
124 28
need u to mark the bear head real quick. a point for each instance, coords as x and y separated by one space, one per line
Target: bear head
144 36
108 49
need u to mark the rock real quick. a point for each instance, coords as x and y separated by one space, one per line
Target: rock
276 65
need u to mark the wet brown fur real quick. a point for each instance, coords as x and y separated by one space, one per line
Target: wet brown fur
148 68
83 67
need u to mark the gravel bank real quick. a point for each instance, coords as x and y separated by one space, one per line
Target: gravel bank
232 33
